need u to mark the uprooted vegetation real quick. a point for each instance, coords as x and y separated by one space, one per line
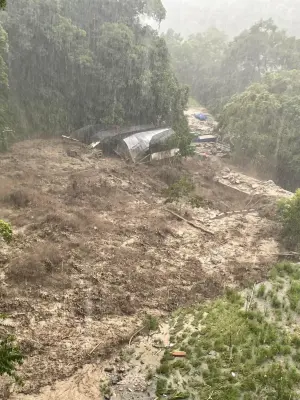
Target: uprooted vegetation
241 346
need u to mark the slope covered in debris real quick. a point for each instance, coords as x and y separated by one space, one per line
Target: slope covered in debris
95 247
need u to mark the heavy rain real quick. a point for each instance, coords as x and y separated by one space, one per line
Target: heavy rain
149 199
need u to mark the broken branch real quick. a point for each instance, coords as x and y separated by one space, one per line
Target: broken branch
70 138
190 222
136 333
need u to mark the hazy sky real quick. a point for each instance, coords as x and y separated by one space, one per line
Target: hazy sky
232 16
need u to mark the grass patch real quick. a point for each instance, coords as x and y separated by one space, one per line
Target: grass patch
232 353
294 295
261 292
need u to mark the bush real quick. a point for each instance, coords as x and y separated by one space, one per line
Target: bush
10 357
181 188
289 214
5 231
151 323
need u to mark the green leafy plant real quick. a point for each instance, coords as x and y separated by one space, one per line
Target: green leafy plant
6 138
289 214
10 357
5 231
151 323
181 188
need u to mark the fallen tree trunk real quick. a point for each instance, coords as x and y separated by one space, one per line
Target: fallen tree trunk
201 228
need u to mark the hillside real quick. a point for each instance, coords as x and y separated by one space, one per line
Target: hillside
95 248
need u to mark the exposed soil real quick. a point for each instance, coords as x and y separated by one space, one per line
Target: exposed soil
94 249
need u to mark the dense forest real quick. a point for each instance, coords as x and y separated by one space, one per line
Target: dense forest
251 83
65 64
231 16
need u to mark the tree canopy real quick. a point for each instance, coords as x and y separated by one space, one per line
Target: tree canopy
74 63
252 84
262 123
215 68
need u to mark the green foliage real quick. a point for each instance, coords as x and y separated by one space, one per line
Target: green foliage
262 125
78 63
294 295
197 62
253 82
179 189
234 354
5 231
289 213
216 69
10 357
197 201
151 323
161 386
261 290
2 4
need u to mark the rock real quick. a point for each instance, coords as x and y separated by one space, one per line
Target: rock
254 186
115 379
121 370
227 170
214 260
109 369
237 181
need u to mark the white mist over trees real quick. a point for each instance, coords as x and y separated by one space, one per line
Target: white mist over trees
231 16
252 84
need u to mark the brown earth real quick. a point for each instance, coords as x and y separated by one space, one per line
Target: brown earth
94 249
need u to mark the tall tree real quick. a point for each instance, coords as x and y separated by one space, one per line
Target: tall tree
262 123
197 62
75 62
259 50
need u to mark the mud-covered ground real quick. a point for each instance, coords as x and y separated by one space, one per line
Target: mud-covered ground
94 248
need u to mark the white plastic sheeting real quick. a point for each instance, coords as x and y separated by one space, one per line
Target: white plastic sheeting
137 145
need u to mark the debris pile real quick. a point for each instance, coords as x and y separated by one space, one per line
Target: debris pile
249 185
206 143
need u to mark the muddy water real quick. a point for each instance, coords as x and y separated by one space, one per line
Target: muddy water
136 363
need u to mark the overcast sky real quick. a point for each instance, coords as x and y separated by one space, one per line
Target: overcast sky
232 16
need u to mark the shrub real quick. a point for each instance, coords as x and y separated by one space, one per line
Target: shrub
10 357
181 188
151 323
5 231
289 214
